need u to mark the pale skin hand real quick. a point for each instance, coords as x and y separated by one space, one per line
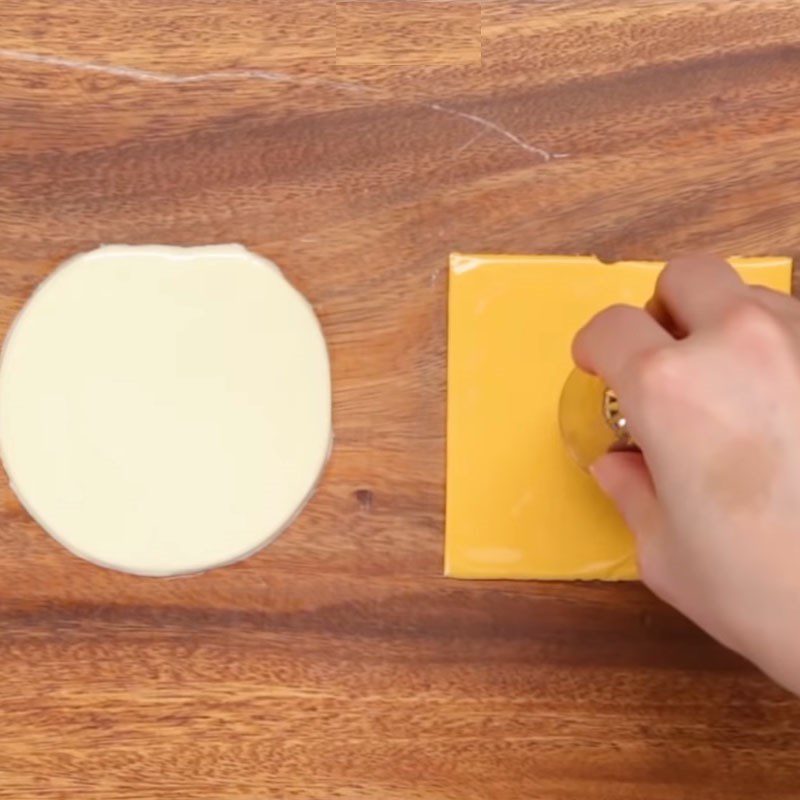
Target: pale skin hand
709 379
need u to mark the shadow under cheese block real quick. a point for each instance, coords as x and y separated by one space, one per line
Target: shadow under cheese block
517 505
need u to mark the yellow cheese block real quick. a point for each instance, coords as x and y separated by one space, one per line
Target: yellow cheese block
517 506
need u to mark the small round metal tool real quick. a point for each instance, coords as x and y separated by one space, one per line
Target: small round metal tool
591 420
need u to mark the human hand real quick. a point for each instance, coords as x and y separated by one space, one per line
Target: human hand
709 380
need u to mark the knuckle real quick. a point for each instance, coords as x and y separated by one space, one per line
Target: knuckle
693 262
657 370
670 274
619 313
680 269
609 319
748 320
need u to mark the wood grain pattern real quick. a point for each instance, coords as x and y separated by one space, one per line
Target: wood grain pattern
338 663
395 32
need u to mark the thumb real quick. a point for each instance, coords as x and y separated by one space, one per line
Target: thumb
624 477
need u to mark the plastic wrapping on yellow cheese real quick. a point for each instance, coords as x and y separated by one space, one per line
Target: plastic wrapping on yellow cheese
517 506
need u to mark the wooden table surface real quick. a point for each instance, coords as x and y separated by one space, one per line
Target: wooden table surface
358 142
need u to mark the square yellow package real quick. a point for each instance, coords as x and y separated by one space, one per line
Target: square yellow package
517 506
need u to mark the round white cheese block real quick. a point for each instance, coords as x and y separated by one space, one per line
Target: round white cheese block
165 410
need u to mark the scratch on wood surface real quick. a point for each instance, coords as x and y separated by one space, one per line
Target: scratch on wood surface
545 155
472 139
154 76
